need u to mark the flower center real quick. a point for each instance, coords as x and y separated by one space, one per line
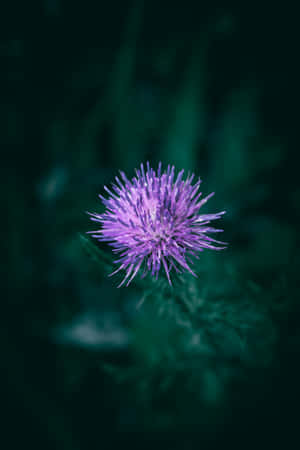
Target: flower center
161 237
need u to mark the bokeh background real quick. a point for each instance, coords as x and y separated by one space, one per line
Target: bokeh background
89 88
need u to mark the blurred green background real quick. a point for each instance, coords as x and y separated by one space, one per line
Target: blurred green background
89 88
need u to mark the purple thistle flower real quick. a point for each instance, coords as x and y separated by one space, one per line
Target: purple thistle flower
153 221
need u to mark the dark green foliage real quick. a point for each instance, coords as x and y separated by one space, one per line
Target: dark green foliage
196 348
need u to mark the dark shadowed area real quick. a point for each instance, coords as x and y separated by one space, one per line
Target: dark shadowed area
91 88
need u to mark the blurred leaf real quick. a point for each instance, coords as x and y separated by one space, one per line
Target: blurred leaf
97 255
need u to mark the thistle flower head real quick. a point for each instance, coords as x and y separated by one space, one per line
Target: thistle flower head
153 222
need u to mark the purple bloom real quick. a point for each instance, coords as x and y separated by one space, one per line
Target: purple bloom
153 222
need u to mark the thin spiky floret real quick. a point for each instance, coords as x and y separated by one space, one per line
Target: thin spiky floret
153 222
